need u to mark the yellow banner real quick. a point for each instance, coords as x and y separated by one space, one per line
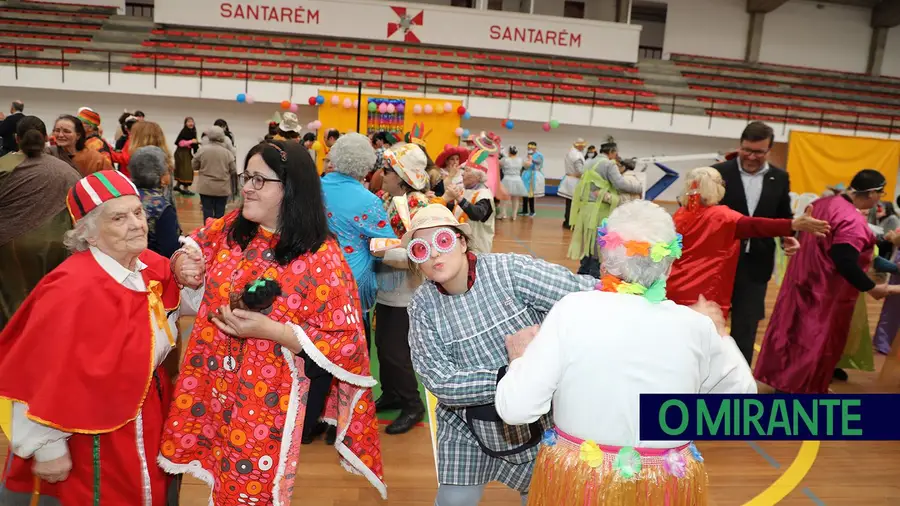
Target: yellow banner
6 417
816 161
440 125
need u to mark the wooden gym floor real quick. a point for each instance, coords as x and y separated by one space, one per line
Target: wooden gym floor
857 474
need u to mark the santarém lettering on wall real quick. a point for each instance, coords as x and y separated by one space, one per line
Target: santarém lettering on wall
412 24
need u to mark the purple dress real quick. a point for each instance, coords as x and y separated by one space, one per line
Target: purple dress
811 319
889 323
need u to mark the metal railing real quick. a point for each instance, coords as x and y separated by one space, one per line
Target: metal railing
379 80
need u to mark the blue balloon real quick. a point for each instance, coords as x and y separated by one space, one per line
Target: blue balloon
465 132
509 124
241 98
466 115
320 100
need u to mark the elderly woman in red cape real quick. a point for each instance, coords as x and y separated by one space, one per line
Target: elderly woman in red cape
240 401
810 323
81 359
712 235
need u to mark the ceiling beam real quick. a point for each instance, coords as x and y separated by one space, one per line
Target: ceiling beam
763 6
886 14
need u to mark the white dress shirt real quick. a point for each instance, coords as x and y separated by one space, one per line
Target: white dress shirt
596 352
30 438
753 185
574 165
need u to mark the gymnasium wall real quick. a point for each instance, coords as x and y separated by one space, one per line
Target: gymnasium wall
817 35
653 33
891 63
714 28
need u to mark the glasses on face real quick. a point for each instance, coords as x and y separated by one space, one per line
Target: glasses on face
443 241
754 152
258 180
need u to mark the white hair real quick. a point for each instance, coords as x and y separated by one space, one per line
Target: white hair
76 239
482 175
644 221
353 155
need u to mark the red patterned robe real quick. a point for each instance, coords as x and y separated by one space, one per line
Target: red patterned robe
237 425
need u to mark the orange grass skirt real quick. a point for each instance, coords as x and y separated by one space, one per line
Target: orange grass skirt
563 476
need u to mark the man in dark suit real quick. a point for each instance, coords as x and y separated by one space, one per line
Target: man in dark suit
755 188
8 127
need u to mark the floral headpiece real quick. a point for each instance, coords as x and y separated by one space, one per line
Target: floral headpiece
656 251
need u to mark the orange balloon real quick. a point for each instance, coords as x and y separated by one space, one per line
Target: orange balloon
285 104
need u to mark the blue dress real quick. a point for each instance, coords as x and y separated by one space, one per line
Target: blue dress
356 216
533 176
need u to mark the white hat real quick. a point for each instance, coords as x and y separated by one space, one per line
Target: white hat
290 123
432 216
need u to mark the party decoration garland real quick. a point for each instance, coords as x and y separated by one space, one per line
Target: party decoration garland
655 293
657 251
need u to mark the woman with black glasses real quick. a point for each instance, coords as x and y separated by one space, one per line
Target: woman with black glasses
278 293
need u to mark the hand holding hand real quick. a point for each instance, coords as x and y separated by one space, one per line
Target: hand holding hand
190 268
53 471
518 342
883 290
791 245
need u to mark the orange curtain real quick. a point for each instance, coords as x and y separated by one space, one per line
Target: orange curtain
816 161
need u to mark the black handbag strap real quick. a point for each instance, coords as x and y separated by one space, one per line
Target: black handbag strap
488 413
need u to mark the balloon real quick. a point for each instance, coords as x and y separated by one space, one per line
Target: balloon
320 100
293 108
459 131
250 99
503 123
429 109
317 124
241 98
335 100
509 124
546 127
401 108
466 115
391 109
448 107
417 109
347 103
461 110
285 104
382 108
465 132
312 100
554 123
317 146
439 110
372 107
311 125
356 103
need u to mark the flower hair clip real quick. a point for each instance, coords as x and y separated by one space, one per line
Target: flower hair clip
657 251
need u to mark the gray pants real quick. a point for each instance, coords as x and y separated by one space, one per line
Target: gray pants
463 495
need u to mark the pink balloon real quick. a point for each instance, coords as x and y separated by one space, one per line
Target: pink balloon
311 125
293 108
417 109
317 124
459 131
250 99
391 109
546 127
348 103
448 107
355 103
382 108
335 100
428 108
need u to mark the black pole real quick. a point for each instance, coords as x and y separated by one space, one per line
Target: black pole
749 110
856 124
109 68
633 105
16 59
381 84
63 66
425 86
155 68
337 76
671 116
891 129
787 111
712 109
201 76
246 76
821 120
359 109
292 82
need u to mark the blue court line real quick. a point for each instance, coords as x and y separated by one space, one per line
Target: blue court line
765 455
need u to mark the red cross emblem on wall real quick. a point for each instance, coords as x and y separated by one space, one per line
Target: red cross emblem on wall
405 24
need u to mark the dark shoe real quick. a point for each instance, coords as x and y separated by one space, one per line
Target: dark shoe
188 193
314 433
566 225
385 403
330 435
840 375
408 419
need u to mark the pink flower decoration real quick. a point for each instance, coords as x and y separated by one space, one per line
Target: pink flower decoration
674 463
612 240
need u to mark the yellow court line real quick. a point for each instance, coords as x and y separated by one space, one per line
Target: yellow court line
791 478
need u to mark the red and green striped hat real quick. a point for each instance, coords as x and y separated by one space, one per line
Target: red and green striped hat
96 189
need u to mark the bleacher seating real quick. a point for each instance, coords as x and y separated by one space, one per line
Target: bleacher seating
713 87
